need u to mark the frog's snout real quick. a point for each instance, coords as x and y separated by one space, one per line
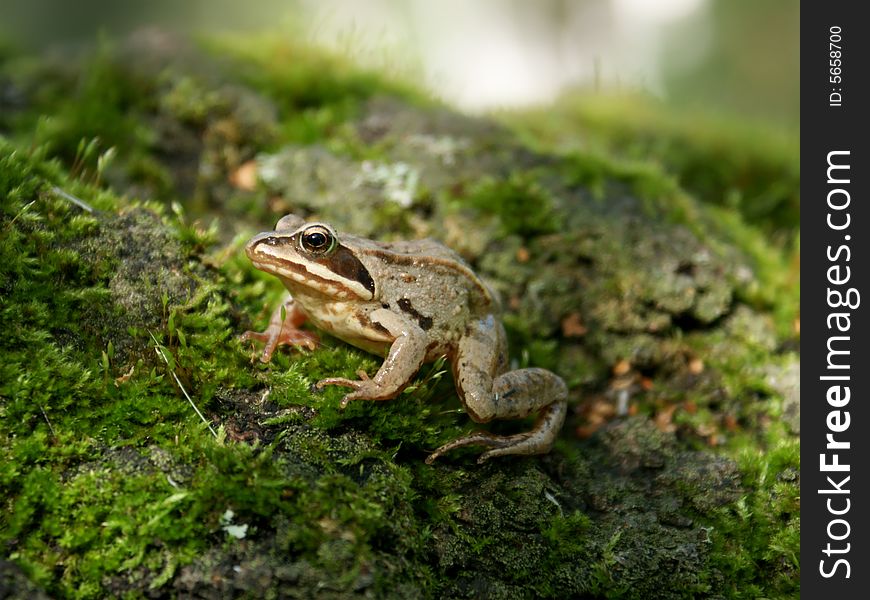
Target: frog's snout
254 242
267 238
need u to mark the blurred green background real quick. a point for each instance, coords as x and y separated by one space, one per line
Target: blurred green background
714 55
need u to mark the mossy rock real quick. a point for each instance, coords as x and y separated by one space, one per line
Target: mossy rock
672 477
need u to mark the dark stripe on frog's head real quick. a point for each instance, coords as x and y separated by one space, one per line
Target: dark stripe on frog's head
278 253
344 263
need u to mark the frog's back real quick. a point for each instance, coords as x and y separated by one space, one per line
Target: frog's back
427 280
425 248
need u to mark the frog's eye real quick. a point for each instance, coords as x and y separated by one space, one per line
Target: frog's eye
317 239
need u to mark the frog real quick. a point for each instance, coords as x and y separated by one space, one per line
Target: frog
410 302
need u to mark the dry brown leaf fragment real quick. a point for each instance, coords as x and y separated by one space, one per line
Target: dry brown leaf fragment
664 419
572 326
621 367
245 176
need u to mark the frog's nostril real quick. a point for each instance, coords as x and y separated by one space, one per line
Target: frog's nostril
267 240
252 246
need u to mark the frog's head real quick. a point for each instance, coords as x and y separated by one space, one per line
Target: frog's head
311 256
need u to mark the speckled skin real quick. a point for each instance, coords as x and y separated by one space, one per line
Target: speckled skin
410 302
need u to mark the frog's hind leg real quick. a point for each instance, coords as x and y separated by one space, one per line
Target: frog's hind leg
537 441
511 395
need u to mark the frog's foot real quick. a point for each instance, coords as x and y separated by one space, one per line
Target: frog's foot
281 336
399 367
537 441
283 330
364 388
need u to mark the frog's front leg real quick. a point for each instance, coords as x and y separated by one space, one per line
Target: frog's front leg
283 329
512 395
406 354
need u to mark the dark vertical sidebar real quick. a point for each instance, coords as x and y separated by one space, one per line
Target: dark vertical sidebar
835 224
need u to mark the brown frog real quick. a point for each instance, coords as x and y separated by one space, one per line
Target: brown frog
410 302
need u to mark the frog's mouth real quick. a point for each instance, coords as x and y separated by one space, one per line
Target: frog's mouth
275 253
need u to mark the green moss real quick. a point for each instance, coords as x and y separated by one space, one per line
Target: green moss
46 287
62 406
745 166
315 90
99 110
522 205
765 561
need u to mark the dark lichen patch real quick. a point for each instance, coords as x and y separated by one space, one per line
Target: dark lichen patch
609 521
146 271
508 533
14 583
643 517
260 570
748 200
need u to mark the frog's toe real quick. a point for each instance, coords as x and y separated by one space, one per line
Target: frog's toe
261 336
479 438
258 336
298 338
520 447
348 398
523 444
342 381
272 338
360 388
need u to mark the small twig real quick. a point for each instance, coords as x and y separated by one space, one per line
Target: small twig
21 212
552 499
67 196
450 411
50 428
622 397
178 381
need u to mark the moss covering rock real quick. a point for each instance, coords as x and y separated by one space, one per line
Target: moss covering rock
124 289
